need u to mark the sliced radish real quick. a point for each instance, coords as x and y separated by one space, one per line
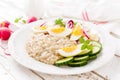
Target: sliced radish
70 24
43 24
85 34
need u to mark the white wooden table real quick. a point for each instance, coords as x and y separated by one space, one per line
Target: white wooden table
11 70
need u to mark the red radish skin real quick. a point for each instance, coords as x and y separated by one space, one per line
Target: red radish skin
5 33
0 25
43 24
70 24
85 34
6 23
32 19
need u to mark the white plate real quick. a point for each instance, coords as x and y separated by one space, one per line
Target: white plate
18 40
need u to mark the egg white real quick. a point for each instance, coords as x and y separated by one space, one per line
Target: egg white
73 53
38 30
75 37
65 33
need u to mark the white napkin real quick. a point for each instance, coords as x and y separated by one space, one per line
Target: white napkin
34 8
96 10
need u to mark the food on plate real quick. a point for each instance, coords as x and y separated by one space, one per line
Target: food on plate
59 21
44 47
65 43
59 31
76 33
40 28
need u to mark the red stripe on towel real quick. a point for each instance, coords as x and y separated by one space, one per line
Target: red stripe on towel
85 15
101 22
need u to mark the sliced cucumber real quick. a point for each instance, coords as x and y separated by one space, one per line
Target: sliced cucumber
64 61
97 47
95 43
82 58
84 52
92 57
95 50
77 64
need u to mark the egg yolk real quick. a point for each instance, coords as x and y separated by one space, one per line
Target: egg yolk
77 31
58 30
69 49
41 28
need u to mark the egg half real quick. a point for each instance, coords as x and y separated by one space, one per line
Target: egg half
59 31
40 28
70 50
77 32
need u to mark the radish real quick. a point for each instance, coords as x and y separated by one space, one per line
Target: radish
5 33
5 24
0 25
32 19
70 24
85 34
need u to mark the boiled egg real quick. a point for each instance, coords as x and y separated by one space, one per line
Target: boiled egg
59 31
77 32
70 50
40 28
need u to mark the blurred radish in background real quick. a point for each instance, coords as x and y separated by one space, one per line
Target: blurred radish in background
5 32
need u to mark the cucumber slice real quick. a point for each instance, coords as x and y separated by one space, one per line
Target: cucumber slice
84 52
64 61
81 58
77 64
92 57
95 43
95 50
